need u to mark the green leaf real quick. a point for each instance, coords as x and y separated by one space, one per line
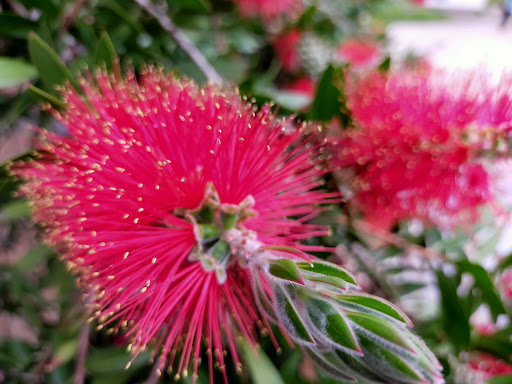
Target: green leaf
427 361
377 304
8 183
331 324
488 247
358 365
330 280
455 320
385 65
34 257
45 97
501 379
285 269
18 106
265 304
52 70
482 280
220 250
14 26
124 14
192 5
505 263
113 359
18 352
382 328
331 364
329 100
262 370
66 350
15 210
105 52
209 231
329 269
384 360
229 220
498 344
290 319
14 72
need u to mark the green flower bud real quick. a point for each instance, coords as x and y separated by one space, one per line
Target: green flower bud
351 335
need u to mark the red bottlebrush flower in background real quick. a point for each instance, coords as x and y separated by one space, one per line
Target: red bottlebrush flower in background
507 282
269 10
414 143
489 366
357 52
419 3
160 194
286 48
305 86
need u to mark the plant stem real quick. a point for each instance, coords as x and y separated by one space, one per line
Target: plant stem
83 345
70 16
182 40
155 373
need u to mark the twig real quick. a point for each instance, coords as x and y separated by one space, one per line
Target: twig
155 372
368 265
391 238
81 354
183 41
70 16
42 366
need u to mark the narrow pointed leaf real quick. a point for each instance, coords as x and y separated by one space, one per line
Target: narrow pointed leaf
483 281
331 364
286 269
14 72
389 364
332 325
52 70
262 370
220 250
325 279
13 26
263 301
209 231
290 319
455 318
290 250
429 365
328 97
358 366
105 52
229 220
501 379
45 97
377 304
329 269
382 328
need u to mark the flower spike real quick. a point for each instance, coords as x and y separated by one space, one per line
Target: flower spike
180 208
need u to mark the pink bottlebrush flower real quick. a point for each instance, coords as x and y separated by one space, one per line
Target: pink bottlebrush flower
286 48
305 86
269 10
134 196
359 53
489 366
414 147
507 283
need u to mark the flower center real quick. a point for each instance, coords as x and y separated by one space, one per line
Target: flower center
221 238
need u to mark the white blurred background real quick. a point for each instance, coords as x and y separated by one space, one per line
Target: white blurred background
470 36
